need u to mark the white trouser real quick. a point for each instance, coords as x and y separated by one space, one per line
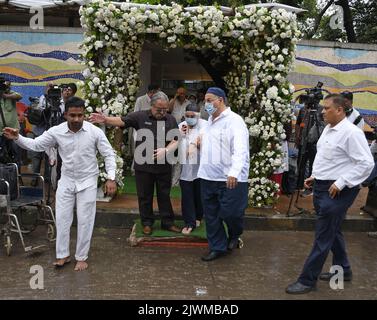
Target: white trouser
66 196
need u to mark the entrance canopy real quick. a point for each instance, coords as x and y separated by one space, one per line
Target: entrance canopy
256 44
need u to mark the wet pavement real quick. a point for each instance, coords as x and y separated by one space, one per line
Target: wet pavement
269 261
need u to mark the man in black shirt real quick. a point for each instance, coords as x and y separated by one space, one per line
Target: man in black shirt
154 152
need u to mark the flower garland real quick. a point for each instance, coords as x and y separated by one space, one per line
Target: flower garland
260 44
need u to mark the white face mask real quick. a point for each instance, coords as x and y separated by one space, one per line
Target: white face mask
192 121
210 108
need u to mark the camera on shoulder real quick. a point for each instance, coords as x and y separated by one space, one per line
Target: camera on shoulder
313 96
3 86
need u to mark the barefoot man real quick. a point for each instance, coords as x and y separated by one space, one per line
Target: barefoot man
77 142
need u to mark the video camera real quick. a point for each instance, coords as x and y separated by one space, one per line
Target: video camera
313 96
53 98
3 86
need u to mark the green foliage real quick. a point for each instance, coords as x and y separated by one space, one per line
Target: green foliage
364 16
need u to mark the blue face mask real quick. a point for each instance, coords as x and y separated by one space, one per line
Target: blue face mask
191 121
210 108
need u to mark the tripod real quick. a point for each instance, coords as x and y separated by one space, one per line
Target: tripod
304 154
55 118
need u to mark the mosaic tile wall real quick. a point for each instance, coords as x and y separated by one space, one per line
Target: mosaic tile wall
30 60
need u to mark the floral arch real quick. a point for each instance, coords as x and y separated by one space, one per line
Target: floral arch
261 46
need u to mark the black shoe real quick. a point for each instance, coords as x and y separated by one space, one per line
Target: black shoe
326 276
298 288
212 255
233 244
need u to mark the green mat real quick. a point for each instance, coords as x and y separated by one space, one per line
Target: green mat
199 232
130 187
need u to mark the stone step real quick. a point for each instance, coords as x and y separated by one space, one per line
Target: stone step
121 218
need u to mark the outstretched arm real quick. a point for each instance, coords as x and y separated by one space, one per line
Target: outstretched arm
109 121
42 143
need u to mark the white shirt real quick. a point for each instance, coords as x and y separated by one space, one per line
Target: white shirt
77 150
343 155
190 164
179 110
352 117
143 103
225 148
43 102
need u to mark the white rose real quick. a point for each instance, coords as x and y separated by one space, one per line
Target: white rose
96 81
272 93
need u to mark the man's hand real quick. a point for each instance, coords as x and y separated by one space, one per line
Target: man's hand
333 191
159 153
198 141
184 129
192 150
110 187
308 183
231 183
97 118
10 133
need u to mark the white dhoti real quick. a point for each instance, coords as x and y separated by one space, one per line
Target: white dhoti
66 196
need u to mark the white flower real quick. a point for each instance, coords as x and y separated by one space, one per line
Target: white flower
98 44
96 81
86 73
272 93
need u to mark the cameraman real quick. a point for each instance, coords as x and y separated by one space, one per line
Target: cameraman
38 130
8 99
68 90
353 115
310 136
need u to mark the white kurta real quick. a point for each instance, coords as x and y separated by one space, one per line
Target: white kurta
224 148
179 110
78 182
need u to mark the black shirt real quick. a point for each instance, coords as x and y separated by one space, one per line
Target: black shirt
159 129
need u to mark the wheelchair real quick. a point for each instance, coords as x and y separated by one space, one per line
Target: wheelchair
14 209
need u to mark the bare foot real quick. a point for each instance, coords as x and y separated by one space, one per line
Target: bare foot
61 262
187 230
81 265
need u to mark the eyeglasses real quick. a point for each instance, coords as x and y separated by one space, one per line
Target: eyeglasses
210 100
159 110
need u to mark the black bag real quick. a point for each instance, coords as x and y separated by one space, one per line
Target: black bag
35 116
9 173
7 152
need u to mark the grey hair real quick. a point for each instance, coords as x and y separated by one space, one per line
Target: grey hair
159 96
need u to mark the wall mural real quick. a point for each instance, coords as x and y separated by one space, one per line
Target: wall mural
30 60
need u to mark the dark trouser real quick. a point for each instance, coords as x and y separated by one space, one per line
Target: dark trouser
191 202
221 204
145 182
36 160
328 234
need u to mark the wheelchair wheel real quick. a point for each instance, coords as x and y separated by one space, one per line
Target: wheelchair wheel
7 245
51 232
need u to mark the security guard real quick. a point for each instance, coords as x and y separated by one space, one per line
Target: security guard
343 161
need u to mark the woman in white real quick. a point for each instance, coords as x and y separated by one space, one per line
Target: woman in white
192 209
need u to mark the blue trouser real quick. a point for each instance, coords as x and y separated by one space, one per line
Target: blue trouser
328 235
221 204
191 202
